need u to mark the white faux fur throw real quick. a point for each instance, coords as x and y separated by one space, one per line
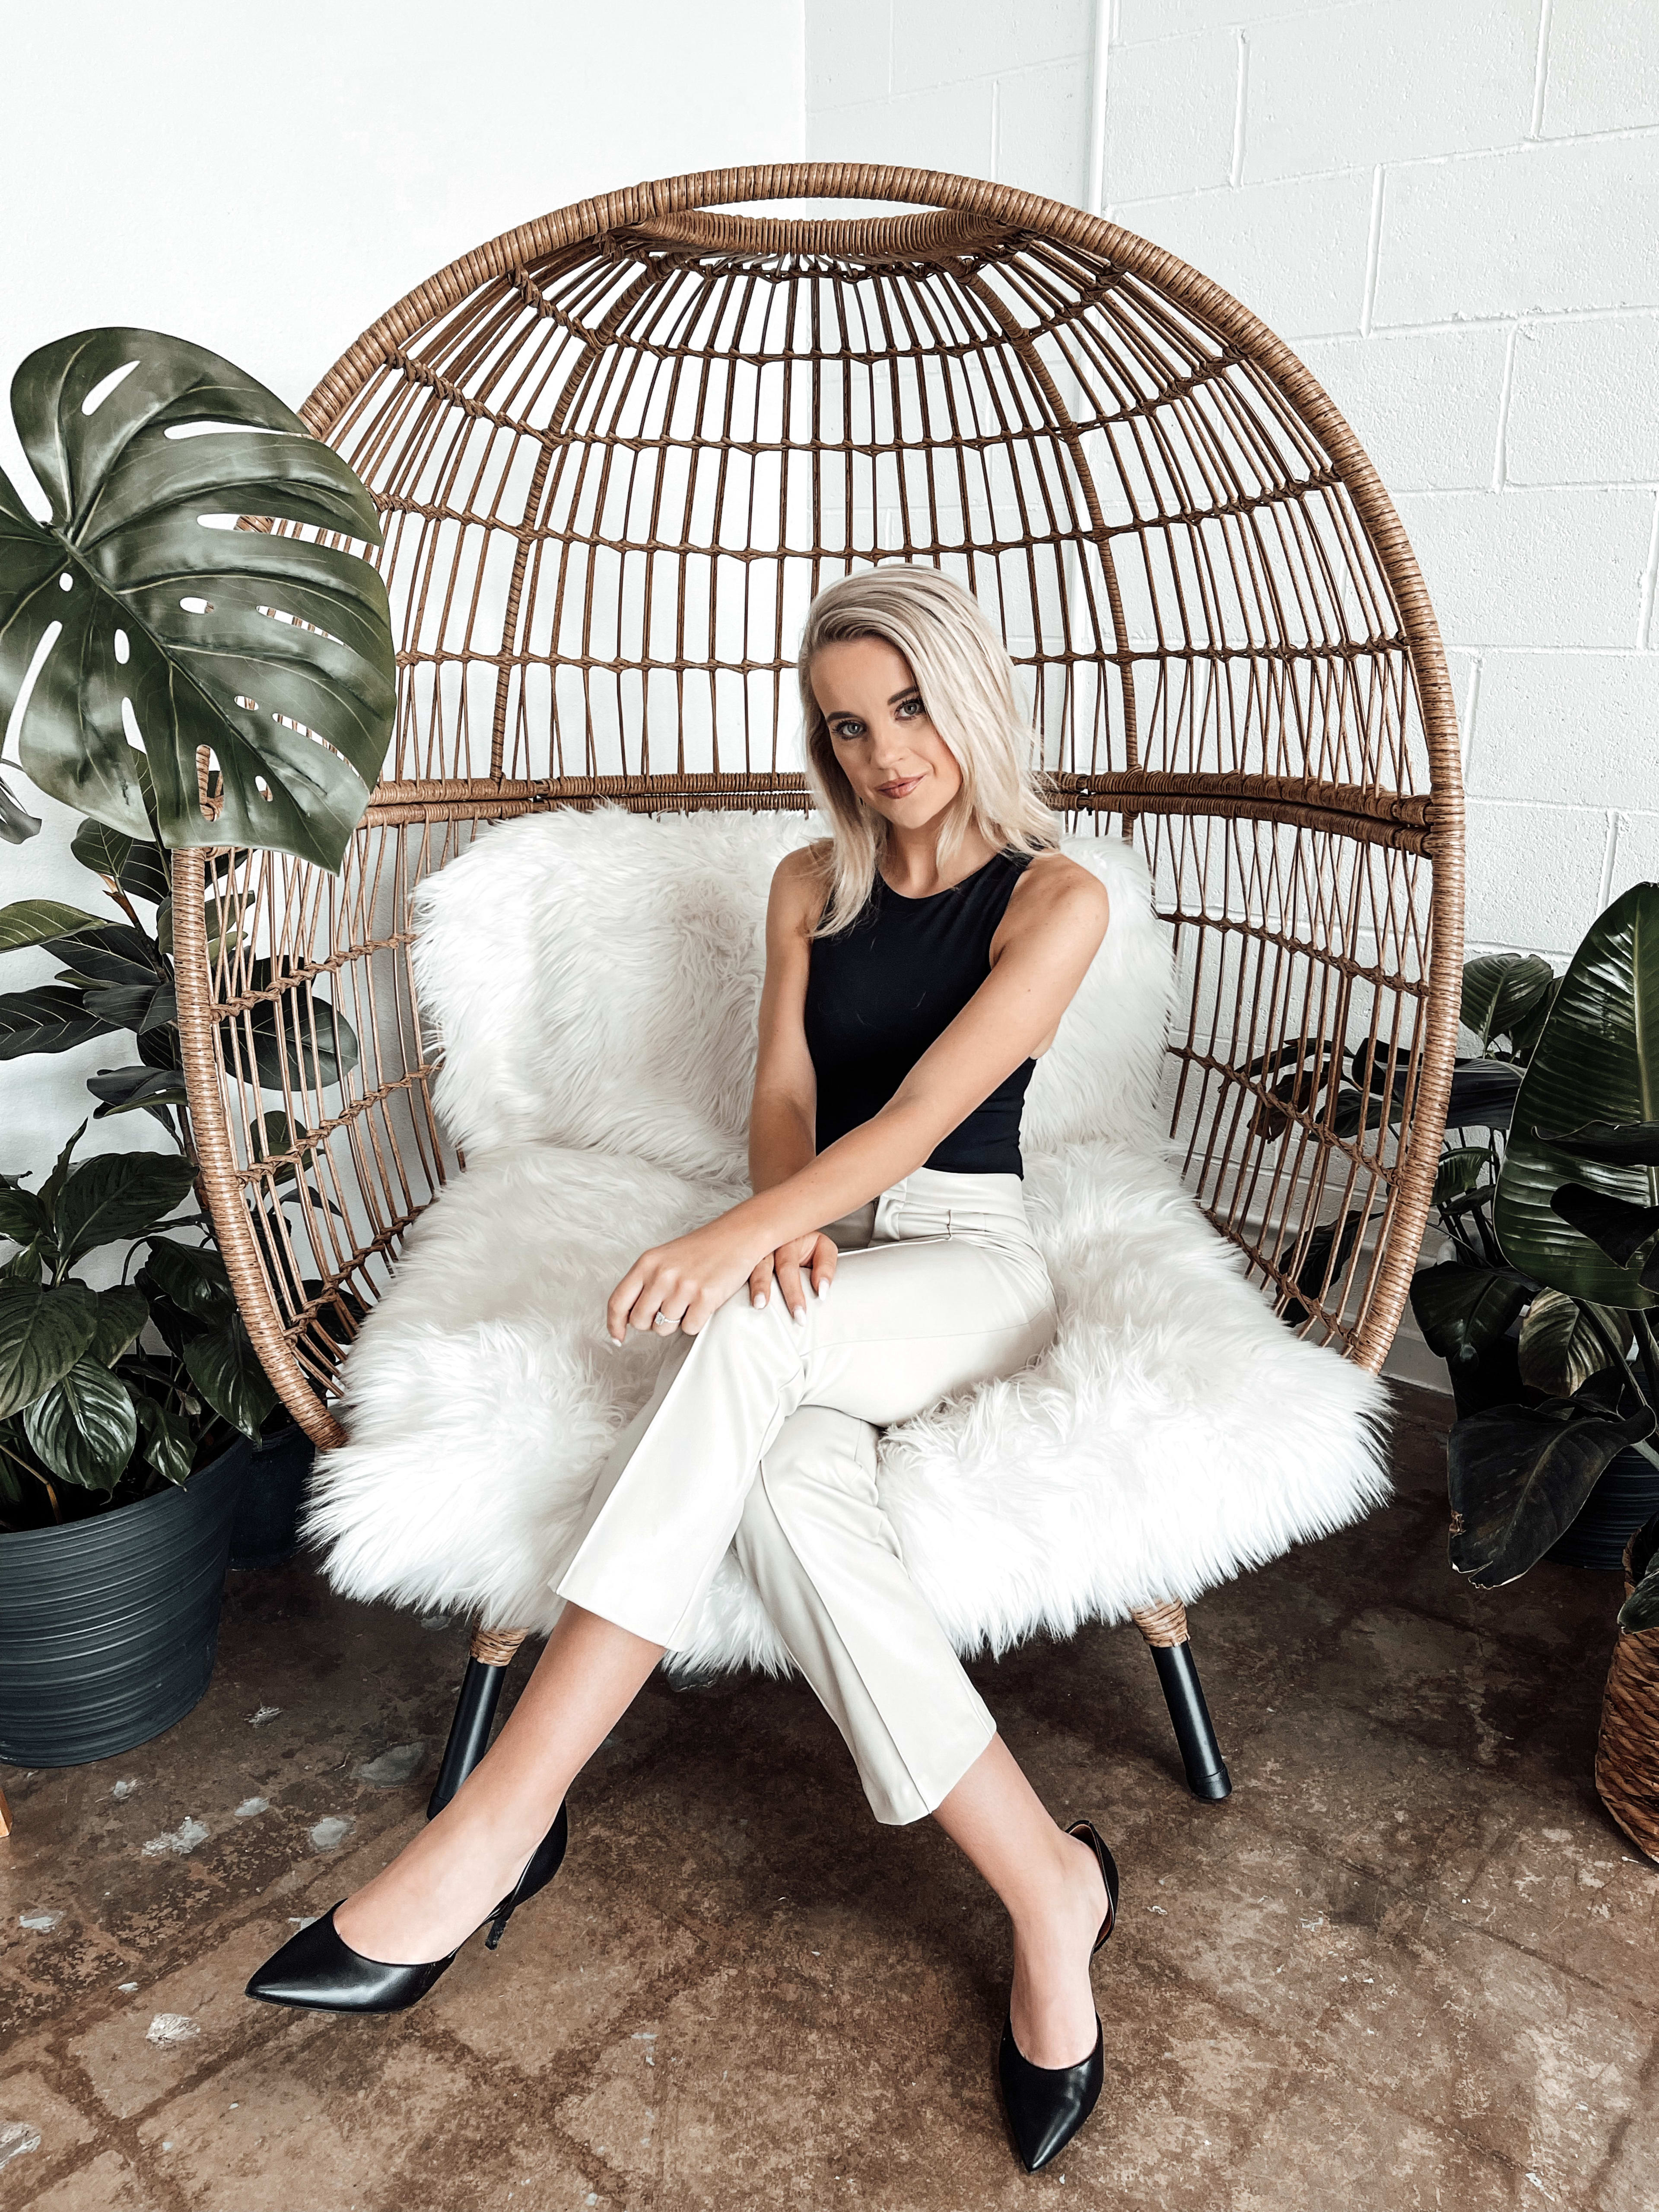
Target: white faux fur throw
595 979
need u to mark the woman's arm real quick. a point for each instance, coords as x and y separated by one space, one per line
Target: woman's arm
1055 925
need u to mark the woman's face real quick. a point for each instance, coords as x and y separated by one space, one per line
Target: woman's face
892 755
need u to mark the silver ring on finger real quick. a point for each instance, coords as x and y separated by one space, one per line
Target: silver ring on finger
660 1319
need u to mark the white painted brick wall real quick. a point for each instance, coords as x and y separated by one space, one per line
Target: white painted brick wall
1450 209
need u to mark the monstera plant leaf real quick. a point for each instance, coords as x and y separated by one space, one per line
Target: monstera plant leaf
1519 1476
272 653
1597 1060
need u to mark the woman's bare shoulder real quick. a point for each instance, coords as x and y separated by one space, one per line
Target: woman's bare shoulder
1055 886
802 879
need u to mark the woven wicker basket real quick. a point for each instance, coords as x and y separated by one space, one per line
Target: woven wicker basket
1627 1750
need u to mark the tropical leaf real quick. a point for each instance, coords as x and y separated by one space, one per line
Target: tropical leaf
118 1196
1317 1262
52 1018
112 952
22 1217
17 825
122 1313
1616 1145
123 1089
193 1276
1500 990
1618 1227
225 1368
104 850
1461 1311
38 920
137 1006
299 1043
168 1444
84 1428
1598 1055
43 1332
1483 1094
270 652
1560 1346
1460 1168
1518 1477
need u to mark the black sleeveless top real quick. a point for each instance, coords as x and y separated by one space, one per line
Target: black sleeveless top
879 992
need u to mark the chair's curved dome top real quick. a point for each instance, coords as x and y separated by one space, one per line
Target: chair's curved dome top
616 453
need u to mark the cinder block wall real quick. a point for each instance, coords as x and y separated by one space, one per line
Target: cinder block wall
1450 209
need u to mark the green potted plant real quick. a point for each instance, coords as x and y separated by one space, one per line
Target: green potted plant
1544 1311
178 683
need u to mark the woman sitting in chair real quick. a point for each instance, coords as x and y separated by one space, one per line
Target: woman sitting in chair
917 962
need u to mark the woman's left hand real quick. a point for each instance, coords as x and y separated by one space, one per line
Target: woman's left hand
679 1286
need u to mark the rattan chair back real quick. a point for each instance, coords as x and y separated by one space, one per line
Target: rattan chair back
618 449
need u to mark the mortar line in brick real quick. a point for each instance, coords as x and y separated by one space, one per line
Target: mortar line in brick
1373 252
1609 857
1500 444
1541 69
1470 711
1240 97
1645 616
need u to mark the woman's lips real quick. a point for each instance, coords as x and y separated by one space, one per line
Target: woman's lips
899 790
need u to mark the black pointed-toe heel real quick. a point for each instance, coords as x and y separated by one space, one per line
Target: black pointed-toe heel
1047 2105
319 1971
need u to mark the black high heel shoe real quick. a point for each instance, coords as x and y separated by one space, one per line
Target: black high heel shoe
319 1971
1047 2105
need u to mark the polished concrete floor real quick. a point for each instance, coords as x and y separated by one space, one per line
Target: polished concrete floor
1411 1963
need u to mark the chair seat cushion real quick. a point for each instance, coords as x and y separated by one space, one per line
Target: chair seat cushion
1176 1432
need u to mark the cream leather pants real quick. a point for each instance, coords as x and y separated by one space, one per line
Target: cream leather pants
762 1430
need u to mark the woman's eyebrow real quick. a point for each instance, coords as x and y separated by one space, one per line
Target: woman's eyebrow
910 691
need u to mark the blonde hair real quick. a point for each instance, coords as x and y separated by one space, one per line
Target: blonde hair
966 679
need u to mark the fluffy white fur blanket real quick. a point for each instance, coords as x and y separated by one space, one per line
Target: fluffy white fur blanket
595 981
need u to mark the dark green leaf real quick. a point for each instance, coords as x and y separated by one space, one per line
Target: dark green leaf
147 873
1460 1171
112 952
26 1265
51 1019
1560 1348
176 1326
123 1089
1354 1111
1640 1610
137 1006
51 1188
1618 1227
1525 1032
1461 1311
168 1445
22 1217
1518 1477
119 1195
1500 990
245 641
1598 1057
225 1368
299 1043
17 825
1317 1262
1483 1094
104 850
43 1332
193 1276
122 1313
38 920
84 1428
1615 1145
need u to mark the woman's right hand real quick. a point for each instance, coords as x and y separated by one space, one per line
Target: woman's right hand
810 1259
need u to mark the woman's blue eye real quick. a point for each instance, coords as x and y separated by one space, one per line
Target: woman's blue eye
908 707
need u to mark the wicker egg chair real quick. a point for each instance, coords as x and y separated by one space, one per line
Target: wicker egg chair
616 452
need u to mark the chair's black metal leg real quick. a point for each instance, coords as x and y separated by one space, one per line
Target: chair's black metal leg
1200 1754
469 1732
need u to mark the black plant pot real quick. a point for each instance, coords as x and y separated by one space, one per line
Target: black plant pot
108 1626
266 1528
1625 1496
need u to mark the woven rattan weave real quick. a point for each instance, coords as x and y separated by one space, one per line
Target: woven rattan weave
615 452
